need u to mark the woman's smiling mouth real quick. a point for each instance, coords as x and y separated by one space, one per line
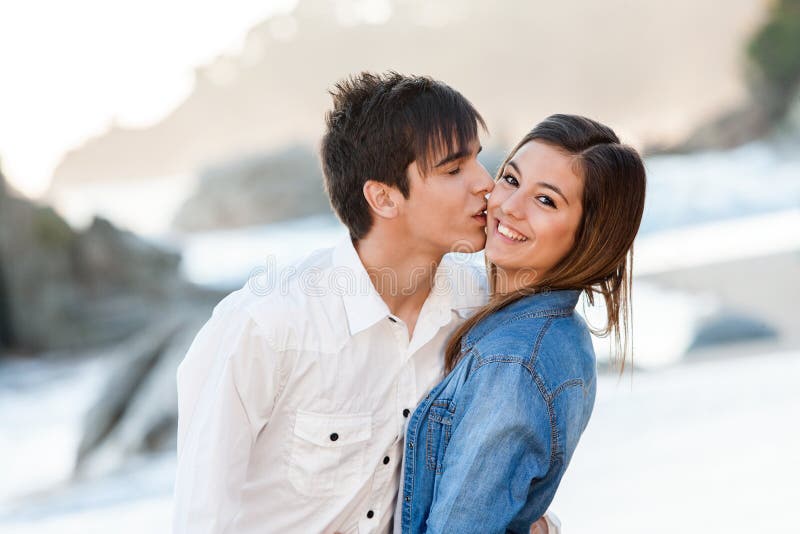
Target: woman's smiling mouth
510 233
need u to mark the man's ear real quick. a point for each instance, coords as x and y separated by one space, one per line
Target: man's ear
383 200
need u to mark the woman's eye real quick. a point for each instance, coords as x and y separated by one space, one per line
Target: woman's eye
511 180
454 171
544 199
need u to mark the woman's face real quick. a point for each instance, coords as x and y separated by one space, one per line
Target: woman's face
533 214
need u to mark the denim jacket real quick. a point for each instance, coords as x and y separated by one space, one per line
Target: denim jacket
485 451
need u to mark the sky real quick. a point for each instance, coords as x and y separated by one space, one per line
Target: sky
69 69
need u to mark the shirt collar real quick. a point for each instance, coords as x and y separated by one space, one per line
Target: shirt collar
362 304
459 286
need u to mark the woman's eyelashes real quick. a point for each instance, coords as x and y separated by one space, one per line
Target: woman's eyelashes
454 172
547 201
510 180
543 199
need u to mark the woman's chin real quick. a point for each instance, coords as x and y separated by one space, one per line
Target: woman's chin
499 260
495 254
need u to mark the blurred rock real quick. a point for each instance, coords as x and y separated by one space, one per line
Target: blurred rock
135 359
108 260
774 53
774 88
730 327
731 129
62 288
791 123
137 410
256 190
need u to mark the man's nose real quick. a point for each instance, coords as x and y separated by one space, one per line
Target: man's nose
484 183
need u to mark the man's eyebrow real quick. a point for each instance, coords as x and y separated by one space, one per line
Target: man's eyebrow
461 154
543 184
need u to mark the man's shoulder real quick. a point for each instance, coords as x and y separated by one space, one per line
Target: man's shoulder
289 305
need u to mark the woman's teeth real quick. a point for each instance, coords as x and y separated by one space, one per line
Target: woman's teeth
509 233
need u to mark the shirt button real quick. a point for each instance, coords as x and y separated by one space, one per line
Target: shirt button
370 514
411 445
334 436
385 460
393 319
406 412
407 498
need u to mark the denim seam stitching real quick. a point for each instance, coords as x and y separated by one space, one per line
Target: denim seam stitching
542 391
555 312
538 343
551 416
572 382
431 460
537 378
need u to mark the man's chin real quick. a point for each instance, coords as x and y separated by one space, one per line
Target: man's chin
469 245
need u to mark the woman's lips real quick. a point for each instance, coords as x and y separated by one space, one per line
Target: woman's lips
509 234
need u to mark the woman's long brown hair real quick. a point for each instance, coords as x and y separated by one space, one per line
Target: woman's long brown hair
601 259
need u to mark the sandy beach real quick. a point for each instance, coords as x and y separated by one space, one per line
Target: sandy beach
703 447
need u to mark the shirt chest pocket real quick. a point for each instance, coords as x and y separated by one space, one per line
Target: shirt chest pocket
440 426
328 452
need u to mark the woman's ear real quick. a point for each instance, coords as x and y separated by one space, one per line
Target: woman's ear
383 199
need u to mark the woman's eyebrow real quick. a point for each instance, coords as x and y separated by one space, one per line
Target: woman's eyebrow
543 184
554 188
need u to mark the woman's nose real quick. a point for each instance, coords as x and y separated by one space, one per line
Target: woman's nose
512 206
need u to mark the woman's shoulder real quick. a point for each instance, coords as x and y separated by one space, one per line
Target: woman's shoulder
565 354
555 349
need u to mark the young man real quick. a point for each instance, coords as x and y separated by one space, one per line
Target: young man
293 402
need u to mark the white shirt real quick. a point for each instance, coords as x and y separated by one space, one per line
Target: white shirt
292 397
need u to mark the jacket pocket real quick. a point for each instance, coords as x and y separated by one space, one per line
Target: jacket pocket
440 424
328 452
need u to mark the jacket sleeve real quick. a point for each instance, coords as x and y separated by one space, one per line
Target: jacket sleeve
500 444
226 388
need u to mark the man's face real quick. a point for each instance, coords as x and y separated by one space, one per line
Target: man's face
445 210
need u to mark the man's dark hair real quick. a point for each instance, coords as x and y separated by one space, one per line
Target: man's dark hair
379 125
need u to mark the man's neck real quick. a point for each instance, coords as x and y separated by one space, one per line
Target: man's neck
402 274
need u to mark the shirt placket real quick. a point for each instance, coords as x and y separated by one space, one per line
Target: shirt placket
405 402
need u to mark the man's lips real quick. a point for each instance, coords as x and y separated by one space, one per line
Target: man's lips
480 216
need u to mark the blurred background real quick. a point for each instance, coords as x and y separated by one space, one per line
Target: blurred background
155 153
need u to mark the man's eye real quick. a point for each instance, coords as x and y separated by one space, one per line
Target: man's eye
511 180
544 199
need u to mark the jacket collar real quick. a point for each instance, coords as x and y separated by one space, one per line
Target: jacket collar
540 304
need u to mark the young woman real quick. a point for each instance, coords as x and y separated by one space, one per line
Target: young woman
485 451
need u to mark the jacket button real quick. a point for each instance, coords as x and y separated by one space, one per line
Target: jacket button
370 514
334 436
411 445
385 460
406 412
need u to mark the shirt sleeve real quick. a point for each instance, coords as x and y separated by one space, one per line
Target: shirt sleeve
500 444
226 388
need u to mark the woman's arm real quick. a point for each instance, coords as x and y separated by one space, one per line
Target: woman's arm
501 442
